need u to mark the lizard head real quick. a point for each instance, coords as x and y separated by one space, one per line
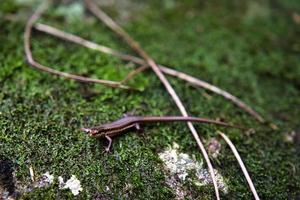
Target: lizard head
94 131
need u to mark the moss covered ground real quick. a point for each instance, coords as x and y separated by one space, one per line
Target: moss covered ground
250 48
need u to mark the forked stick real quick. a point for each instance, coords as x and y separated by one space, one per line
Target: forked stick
135 46
192 80
104 49
41 67
239 159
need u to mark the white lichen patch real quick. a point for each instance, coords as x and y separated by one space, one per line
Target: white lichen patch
177 187
73 184
45 181
290 137
204 178
48 179
181 165
4 194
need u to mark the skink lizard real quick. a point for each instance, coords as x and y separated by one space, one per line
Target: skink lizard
127 122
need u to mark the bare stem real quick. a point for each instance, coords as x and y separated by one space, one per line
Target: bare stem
135 46
146 64
134 73
240 161
192 80
36 15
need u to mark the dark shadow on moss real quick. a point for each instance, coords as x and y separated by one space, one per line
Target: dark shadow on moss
7 182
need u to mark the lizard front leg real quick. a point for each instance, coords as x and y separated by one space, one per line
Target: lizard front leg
107 149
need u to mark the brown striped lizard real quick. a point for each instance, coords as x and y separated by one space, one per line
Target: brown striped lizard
124 124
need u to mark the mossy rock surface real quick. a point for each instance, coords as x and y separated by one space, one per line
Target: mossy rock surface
249 48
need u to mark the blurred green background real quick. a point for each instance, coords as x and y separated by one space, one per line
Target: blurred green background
250 48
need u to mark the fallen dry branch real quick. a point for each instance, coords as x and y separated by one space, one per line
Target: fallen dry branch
240 161
145 65
135 46
35 64
192 80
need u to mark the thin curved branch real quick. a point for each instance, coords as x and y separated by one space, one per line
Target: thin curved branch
134 73
36 15
150 62
135 46
240 161
192 80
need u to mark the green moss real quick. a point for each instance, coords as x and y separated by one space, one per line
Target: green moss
253 55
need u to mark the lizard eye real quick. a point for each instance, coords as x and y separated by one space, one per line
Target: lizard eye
93 131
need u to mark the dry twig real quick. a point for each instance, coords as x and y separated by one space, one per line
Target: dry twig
135 46
239 159
192 80
134 73
41 67
145 64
